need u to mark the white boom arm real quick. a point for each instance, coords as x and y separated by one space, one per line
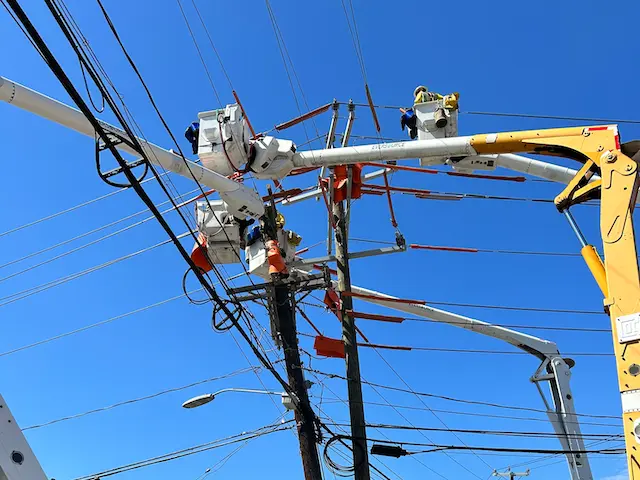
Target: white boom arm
17 460
241 200
442 147
553 369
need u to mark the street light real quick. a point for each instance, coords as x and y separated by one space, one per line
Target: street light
207 397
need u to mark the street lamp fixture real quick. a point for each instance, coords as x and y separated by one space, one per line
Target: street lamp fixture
208 397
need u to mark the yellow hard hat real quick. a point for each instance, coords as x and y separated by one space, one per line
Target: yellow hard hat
420 88
280 221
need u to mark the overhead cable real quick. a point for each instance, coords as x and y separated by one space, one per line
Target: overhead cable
397 374
195 43
508 433
495 307
14 297
345 402
203 447
458 400
93 325
140 399
522 115
88 244
473 414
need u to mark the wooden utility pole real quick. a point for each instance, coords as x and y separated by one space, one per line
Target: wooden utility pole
282 314
303 413
354 386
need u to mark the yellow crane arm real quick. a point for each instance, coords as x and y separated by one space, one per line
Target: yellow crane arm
600 152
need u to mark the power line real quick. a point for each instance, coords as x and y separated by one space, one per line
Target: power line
457 400
523 115
382 433
440 447
508 433
353 30
475 414
78 237
88 244
213 47
71 209
93 325
344 402
547 457
259 432
553 117
284 53
430 410
140 399
14 297
502 307
221 463
195 43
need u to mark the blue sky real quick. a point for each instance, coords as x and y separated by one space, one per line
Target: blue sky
551 58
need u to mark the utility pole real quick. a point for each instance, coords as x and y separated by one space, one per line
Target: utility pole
286 324
303 414
509 474
354 386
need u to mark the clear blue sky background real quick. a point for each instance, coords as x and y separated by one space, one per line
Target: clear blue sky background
548 58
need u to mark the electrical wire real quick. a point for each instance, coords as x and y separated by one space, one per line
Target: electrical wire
69 210
93 325
457 400
213 47
522 115
195 43
346 403
222 462
284 53
140 399
547 457
499 307
355 37
553 117
339 470
439 447
30 268
508 433
14 297
78 237
259 432
419 397
474 414
444 248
